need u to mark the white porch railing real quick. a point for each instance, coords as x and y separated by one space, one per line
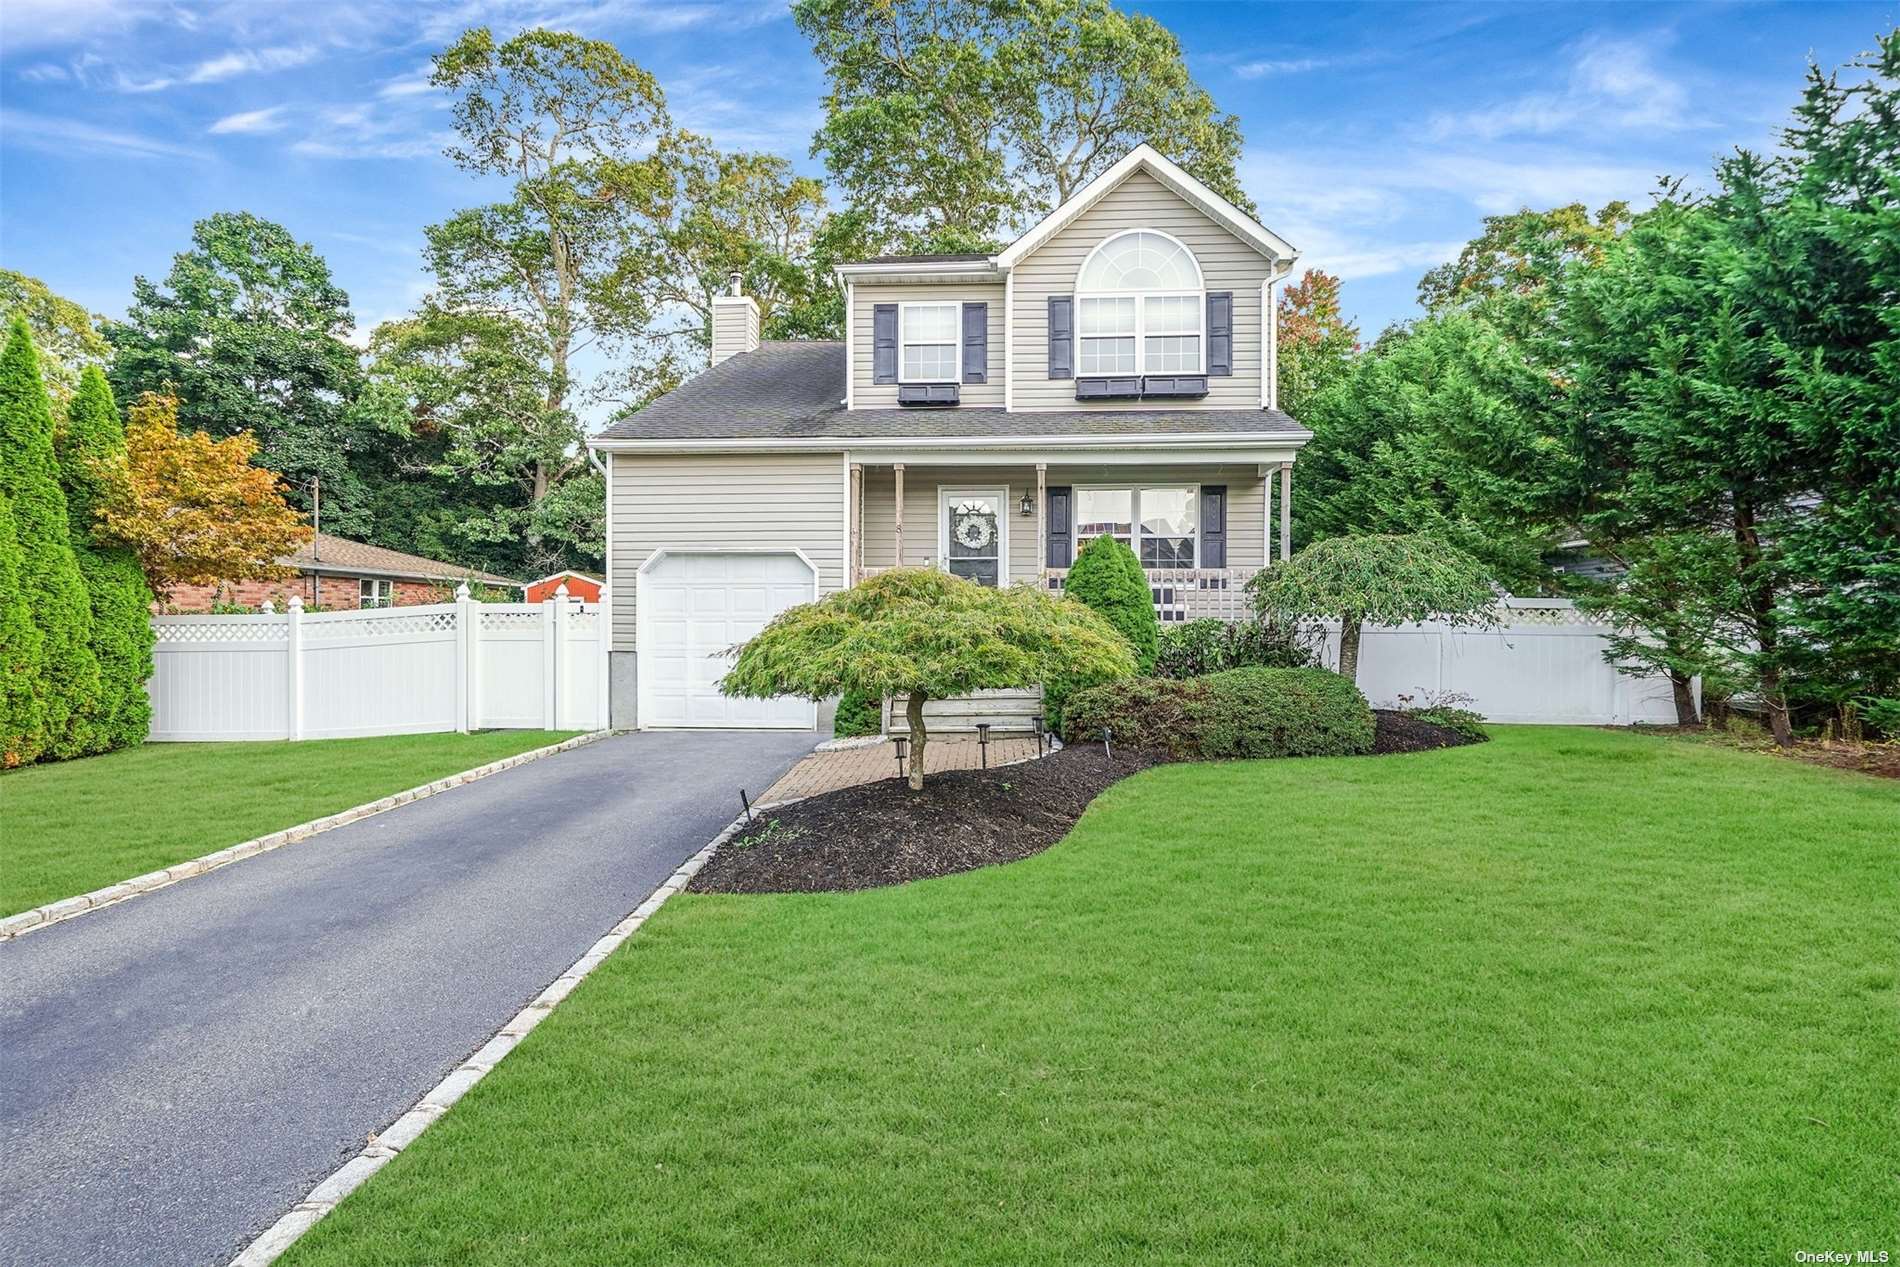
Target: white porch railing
1184 594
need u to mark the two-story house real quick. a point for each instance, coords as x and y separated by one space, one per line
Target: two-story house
1112 372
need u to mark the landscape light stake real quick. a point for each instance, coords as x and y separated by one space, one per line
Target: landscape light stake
903 746
1106 750
983 741
1041 726
743 800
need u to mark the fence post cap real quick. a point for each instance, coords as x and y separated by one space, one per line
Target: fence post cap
270 608
462 592
296 602
560 591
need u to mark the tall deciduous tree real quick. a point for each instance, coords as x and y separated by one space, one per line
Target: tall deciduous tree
194 510
247 334
1316 340
65 334
1513 271
583 140
91 450
965 119
49 574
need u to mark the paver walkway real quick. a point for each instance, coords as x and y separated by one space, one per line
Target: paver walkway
178 1070
848 767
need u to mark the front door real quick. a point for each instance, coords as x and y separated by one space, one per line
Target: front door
972 528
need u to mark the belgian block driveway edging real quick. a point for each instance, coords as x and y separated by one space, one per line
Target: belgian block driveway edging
405 1130
66 908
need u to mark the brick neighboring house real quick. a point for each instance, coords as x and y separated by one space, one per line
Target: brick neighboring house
335 572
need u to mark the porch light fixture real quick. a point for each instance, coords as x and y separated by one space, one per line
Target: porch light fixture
1027 505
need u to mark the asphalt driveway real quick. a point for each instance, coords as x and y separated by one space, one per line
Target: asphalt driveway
178 1070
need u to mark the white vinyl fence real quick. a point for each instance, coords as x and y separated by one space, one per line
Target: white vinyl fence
385 671
1543 662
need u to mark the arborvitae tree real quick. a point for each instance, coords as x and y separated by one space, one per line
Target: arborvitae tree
1108 577
49 574
22 679
90 444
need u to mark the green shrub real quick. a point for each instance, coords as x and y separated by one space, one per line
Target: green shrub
1238 713
49 574
22 682
121 601
1108 577
1882 715
859 713
1208 646
1447 709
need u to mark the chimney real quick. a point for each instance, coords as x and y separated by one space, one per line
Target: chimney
735 323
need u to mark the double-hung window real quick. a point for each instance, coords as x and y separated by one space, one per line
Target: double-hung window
1140 308
1160 524
928 347
375 593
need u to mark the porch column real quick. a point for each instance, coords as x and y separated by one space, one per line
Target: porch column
1286 510
854 566
1042 524
1266 517
897 472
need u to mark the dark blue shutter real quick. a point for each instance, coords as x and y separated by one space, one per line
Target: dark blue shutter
1213 525
1062 338
976 343
884 343
1220 332
1061 530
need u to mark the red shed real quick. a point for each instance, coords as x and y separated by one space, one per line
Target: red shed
581 585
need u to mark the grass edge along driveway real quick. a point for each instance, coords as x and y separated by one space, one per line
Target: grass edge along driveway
1569 997
69 827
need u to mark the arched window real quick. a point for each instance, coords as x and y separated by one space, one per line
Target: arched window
1139 305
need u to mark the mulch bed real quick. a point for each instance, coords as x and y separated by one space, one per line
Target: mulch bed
1399 733
877 834
880 833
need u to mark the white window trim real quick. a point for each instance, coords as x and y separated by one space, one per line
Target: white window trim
1141 308
946 495
1133 489
382 593
956 341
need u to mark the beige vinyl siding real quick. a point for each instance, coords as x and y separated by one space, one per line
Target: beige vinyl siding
866 394
735 327
1139 202
1245 491
723 501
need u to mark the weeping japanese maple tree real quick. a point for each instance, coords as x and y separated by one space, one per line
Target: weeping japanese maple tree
923 634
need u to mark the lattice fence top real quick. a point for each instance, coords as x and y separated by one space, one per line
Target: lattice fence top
1567 614
502 620
393 622
584 622
176 629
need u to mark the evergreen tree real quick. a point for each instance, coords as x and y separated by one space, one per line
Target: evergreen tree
22 680
50 579
92 440
1108 577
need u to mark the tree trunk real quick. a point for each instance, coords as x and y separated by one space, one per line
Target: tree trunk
1760 591
914 714
1680 684
1349 648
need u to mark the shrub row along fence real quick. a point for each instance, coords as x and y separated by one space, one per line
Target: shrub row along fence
389 671
1543 662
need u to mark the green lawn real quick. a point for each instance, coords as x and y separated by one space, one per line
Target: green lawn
74 826
1570 997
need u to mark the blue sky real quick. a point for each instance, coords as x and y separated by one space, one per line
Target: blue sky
1377 136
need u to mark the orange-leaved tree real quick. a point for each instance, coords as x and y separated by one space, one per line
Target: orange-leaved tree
194 509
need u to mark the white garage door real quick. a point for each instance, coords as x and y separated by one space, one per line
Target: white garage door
694 607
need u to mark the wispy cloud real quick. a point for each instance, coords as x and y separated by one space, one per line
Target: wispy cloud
250 122
1286 66
1612 84
45 73
414 84
66 135
250 61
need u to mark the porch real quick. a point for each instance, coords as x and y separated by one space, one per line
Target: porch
1201 528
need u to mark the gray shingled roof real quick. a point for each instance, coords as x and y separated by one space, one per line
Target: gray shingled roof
333 553
787 391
